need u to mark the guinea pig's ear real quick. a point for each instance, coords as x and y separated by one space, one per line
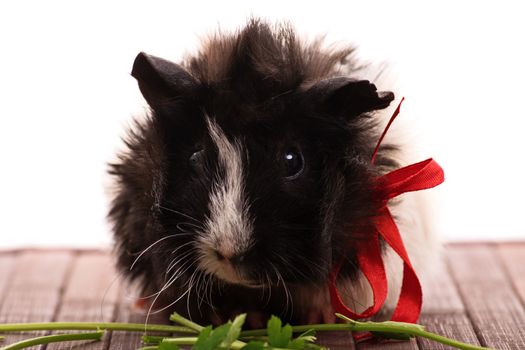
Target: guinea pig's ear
350 97
160 79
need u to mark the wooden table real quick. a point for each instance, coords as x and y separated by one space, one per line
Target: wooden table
478 296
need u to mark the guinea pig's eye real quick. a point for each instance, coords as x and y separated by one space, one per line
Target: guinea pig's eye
293 163
197 158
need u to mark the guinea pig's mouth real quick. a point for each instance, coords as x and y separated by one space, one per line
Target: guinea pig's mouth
226 270
229 274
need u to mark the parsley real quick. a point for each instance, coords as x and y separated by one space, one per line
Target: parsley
227 336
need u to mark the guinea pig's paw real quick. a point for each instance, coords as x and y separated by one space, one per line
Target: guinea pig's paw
140 306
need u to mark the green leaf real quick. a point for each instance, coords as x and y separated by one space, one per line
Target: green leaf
286 335
278 336
308 337
166 345
218 335
254 345
274 329
210 339
296 344
310 332
235 331
202 339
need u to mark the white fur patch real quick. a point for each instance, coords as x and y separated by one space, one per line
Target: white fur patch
229 227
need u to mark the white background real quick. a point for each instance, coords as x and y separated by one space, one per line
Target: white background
66 97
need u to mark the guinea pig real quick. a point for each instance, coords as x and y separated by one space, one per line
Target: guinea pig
251 177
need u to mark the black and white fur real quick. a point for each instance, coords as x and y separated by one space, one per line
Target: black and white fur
252 176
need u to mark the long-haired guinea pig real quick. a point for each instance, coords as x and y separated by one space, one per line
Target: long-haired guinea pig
251 176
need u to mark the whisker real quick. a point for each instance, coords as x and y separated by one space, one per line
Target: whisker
180 213
166 286
180 224
190 287
149 312
182 269
170 304
149 247
352 299
269 286
295 269
178 259
201 279
209 289
178 273
289 299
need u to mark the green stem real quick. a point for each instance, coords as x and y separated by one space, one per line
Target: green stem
175 317
379 327
178 341
181 340
387 327
448 341
192 340
152 339
53 339
409 329
300 329
114 326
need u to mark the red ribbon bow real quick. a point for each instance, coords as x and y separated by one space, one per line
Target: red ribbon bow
415 177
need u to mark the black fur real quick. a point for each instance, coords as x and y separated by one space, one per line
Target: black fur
266 88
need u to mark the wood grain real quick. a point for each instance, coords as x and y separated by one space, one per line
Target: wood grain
129 312
513 257
90 295
336 340
388 345
443 310
478 296
492 305
7 264
454 326
34 289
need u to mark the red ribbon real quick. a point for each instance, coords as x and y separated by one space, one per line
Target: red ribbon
415 177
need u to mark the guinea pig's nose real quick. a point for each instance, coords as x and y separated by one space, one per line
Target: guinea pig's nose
231 258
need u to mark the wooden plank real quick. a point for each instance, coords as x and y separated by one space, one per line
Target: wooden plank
90 296
440 295
336 340
485 297
33 292
7 267
388 345
513 257
454 326
7 264
129 312
443 310
443 313
494 309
